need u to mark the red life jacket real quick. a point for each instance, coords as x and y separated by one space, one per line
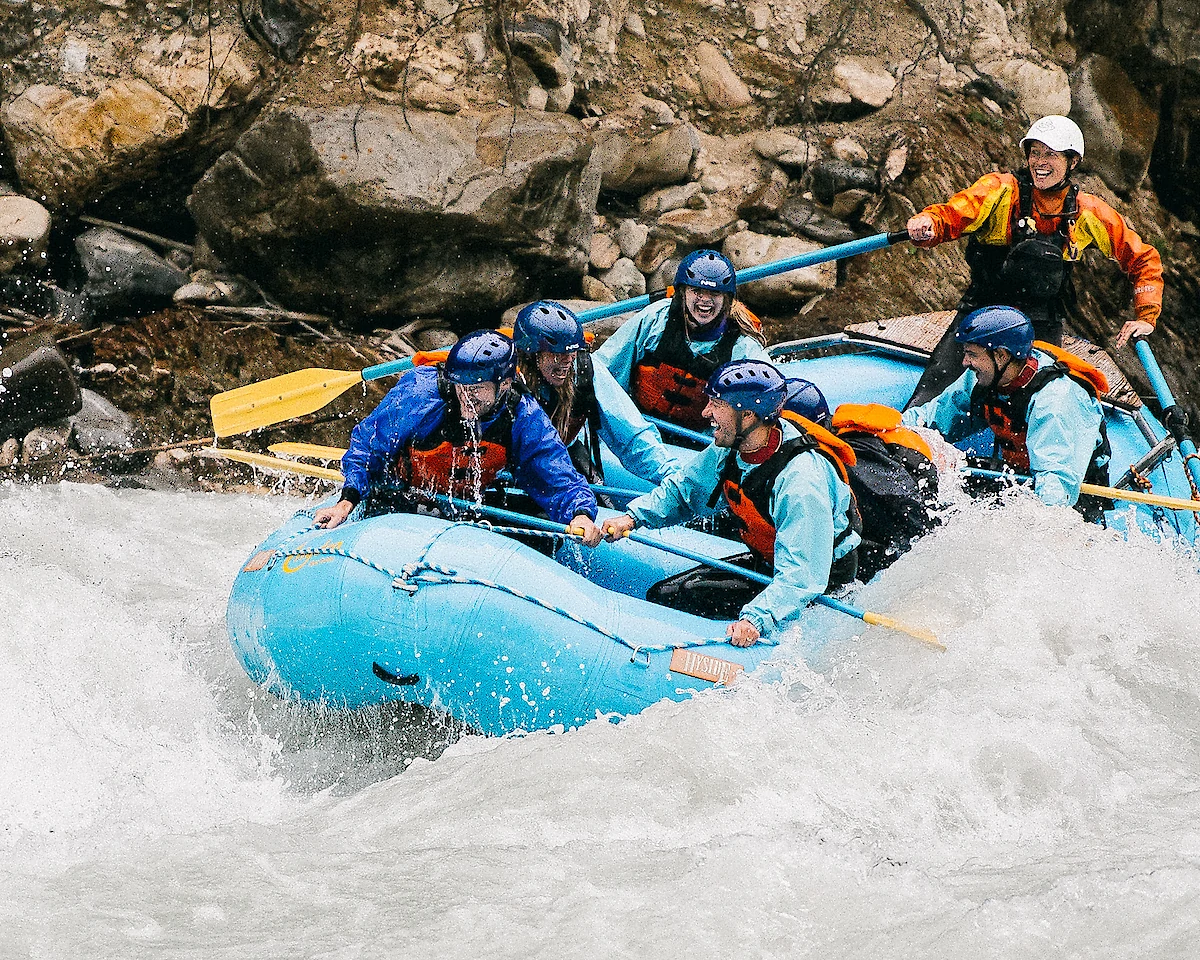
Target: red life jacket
1007 414
669 382
749 497
453 462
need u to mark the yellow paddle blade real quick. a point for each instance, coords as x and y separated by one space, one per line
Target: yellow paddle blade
1136 496
280 398
925 636
314 451
273 463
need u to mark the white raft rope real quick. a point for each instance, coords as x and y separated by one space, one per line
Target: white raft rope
424 573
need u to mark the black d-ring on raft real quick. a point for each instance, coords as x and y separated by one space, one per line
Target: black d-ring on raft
395 679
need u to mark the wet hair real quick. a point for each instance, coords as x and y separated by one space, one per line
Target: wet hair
528 371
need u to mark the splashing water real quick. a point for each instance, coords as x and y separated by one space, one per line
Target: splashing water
1030 792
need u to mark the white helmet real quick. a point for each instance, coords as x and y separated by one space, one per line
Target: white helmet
1058 133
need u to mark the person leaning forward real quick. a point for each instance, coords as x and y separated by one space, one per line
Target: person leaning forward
452 429
1042 408
793 507
1026 231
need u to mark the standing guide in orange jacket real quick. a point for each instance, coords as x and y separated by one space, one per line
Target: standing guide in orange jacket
1026 231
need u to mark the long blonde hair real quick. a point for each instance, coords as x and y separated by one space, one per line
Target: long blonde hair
560 416
738 312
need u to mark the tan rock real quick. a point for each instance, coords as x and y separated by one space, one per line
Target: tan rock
747 249
659 248
848 203
866 80
604 251
1040 90
181 68
631 237
24 231
9 451
722 87
847 148
673 198
595 291
700 228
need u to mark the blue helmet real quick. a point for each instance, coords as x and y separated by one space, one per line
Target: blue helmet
484 356
753 385
547 327
707 270
998 328
806 399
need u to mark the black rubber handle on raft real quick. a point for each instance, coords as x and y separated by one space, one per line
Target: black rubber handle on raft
897 236
395 679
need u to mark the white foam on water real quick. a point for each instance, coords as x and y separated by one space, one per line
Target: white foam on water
1032 791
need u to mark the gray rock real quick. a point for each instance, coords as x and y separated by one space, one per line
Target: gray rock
631 237
359 213
123 275
831 177
789 289
848 203
540 43
280 26
595 291
100 426
634 167
624 279
806 218
657 248
673 198
47 447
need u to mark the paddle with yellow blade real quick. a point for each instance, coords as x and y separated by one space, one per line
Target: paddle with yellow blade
318 452
325 473
306 391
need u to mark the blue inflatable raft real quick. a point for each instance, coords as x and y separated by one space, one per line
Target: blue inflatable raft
482 624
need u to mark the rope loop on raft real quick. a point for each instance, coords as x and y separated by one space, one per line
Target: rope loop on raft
414 575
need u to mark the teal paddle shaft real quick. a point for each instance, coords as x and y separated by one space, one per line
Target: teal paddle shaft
1159 383
775 267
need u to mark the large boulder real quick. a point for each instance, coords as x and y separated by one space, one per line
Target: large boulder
1119 126
634 166
171 105
124 276
749 249
385 212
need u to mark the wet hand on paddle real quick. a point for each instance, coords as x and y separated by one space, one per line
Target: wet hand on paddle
588 532
618 527
1131 331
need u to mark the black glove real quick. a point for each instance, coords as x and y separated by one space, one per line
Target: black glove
1175 419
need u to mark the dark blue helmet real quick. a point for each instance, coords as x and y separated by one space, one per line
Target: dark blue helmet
547 327
998 328
484 356
707 270
806 399
753 385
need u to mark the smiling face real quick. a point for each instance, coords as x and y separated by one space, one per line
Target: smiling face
555 367
725 420
984 362
1049 168
703 306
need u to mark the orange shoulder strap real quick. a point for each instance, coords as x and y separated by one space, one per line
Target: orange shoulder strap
1079 367
832 445
880 421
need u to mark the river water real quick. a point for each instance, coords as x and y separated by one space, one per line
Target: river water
1033 791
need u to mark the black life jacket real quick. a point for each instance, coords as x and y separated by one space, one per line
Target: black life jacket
452 461
669 382
749 499
1031 273
584 420
894 480
1007 414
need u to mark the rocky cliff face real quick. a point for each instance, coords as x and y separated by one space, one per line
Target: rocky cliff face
429 163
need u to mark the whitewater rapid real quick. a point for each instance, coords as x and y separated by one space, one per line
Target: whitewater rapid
1032 791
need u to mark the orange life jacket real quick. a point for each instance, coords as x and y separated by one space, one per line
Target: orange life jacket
452 462
669 382
749 497
1007 414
